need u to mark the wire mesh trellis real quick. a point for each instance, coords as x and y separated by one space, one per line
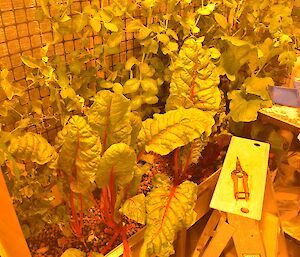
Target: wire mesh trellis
22 34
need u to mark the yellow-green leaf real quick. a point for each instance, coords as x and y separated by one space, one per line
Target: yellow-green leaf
119 160
163 38
221 20
166 132
109 115
32 147
134 208
131 62
79 153
115 39
242 109
207 9
143 33
95 24
30 62
111 26
169 209
258 86
131 86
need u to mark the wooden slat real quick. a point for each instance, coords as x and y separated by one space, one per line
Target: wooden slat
247 237
11 235
221 238
253 156
207 233
180 249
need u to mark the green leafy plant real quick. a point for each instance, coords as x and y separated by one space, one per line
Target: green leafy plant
159 108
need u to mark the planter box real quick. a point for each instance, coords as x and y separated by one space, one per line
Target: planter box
205 192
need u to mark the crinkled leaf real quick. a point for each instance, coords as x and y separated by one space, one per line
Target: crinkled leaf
258 86
79 153
192 151
118 160
169 209
195 77
33 147
134 208
45 7
166 132
73 252
242 109
109 115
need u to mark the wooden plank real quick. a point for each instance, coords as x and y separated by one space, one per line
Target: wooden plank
221 238
270 228
253 156
181 243
282 116
207 233
247 237
11 235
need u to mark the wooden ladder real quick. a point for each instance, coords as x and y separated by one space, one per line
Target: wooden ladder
252 222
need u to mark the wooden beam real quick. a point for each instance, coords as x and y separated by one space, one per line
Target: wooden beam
207 233
221 238
11 235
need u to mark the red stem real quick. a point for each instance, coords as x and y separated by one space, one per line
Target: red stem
112 190
127 251
112 240
140 155
81 212
187 163
176 159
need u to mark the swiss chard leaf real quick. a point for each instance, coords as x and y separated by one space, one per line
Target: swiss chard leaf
33 147
166 132
134 208
109 115
118 160
195 77
169 209
79 153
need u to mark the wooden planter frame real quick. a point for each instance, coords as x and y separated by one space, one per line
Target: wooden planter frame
14 244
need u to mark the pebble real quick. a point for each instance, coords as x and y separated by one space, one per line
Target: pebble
42 250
